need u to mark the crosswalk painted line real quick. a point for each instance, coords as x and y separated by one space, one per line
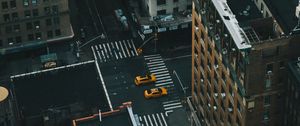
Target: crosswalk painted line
114 50
153 65
173 107
171 104
161 78
151 58
160 72
155 119
162 84
154 68
134 47
155 62
162 75
151 55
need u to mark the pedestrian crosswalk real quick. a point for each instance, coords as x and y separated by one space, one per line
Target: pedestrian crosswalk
156 119
106 52
157 66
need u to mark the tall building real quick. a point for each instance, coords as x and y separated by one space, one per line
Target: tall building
292 106
163 7
239 59
30 23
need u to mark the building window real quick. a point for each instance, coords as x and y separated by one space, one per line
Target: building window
175 10
6 17
281 65
55 9
56 20
13 4
4 5
36 24
17 28
57 32
29 26
10 41
47 10
34 2
175 1
267 100
30 37
18 39
35 12
269 68
268 83
161 2
15 16
161 12
27 13
266 115
50 34
25 2
48 22
8 29
38 36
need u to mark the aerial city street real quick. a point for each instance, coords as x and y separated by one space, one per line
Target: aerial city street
149 62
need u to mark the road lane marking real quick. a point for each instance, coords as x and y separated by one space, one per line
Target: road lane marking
161 84
140 119
106 51
112 45
132 52
117 45
158 70
168 112
96 47
128 42
100 47
120 55
154 68
134 48
154 119
150 120
151 58
172 104
162 115
99 56
166 102
163 80
103 55
173 107
116 55
146 120
122 49
110 52
157 115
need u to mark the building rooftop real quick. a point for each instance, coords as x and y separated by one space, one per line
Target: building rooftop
123 115
232 24
60 92
284 12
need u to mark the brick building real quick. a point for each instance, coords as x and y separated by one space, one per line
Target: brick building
29 23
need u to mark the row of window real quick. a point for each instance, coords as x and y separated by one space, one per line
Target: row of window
31 37
175 10
11 4
30 13
31 25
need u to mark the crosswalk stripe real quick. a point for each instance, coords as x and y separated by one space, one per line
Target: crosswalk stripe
140 119
100 47
155 57
122 49
99 55
161 75
165 77
146 120
134 48
132 52
96 48
154 68
173 107
161 84
120 55
163 80
110 52
103 55
154 119
127 50
116 55
172 104
112 45
153 65
160 72
157 115
150 55
166 102
117 45
162 115
155 62
150 120
128 42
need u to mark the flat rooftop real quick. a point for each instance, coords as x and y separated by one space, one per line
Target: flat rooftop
284 12
76 88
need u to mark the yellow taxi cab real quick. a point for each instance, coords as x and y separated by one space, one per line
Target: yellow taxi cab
143 80
155 92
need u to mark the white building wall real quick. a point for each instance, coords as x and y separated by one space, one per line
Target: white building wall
153 8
